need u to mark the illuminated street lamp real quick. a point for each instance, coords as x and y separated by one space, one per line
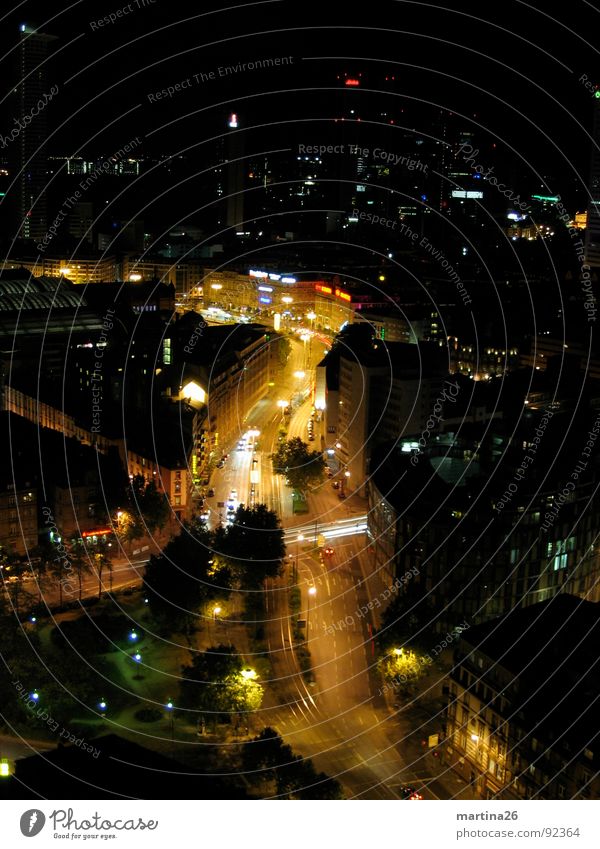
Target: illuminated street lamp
299 539
345 477
300 374
282 406
248 674
169 706
312 591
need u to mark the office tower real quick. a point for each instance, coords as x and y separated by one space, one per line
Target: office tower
234 151
28 155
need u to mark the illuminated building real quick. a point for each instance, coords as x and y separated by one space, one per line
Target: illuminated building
592 233
521 722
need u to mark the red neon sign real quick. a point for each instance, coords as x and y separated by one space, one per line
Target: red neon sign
102 532
343 295
351 81
326 289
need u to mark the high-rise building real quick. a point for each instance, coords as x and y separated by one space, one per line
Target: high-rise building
234 151
592 234
28 156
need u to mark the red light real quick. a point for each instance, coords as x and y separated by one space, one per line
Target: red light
102 532
351 81
326 289
343 295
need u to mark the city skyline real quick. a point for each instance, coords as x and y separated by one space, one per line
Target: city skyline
299 403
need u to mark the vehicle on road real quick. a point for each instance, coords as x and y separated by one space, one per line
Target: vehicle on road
410 793
336 484
329 551
210 493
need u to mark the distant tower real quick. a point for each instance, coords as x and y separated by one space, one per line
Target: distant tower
29 162
592 233
234 150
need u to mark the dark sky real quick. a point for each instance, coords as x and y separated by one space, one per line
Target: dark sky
511 71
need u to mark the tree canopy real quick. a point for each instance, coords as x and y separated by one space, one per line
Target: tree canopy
253 544
301 466
218 682
268 760
185 575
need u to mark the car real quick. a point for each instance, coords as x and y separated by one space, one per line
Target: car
341 495
220 464
410 793
329 551
336 484
311 437
210 493
329 473
233 494
205 516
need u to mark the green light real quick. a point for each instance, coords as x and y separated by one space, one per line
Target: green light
597 94
545 197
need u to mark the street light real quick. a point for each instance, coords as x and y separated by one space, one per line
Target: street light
169 706
248 674
299 539
312 591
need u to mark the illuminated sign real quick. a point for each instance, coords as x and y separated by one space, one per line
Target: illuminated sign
327 290
265 288
351 81
343 295
264 275
265 300
100 533
550 198
233 121
459 193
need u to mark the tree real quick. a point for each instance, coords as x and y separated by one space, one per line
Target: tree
268 760
151 505
302 467
81 564
186 575
254 545
218 682
102 562
402 667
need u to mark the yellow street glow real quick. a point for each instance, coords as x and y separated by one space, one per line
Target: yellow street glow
194 392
